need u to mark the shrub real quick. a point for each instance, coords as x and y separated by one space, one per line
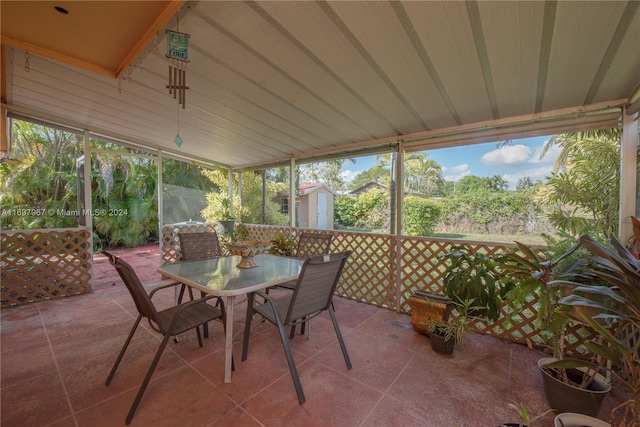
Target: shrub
420 216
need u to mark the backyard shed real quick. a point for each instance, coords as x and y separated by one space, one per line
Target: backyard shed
315 206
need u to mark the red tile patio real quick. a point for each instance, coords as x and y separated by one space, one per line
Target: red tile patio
56 355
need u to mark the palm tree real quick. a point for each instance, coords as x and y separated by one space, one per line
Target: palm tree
584 187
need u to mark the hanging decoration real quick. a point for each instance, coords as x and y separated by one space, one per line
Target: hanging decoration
178 57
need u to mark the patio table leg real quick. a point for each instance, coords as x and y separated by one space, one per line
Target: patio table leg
228 354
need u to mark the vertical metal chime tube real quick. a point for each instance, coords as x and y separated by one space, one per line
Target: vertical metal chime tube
184 86
170 80
175 79
180 85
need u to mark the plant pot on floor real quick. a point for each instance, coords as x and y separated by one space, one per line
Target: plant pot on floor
570 419
568 398
440 344
426 305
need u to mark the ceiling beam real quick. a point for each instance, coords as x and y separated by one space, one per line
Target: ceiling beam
172 9
42 51
612 49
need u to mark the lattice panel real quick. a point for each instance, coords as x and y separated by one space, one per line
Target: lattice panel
423 269
370 276
370 272
265 232
171 243
44 264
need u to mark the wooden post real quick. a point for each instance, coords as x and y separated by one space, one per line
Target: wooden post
4 134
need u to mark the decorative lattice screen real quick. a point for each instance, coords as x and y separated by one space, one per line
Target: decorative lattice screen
171 244
384 273
38 265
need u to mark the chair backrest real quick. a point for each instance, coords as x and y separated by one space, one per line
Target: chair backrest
316 285
310 244
201 245
136 289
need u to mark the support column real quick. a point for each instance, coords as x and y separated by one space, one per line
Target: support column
292 193
628 173
4 129
399 208
230 190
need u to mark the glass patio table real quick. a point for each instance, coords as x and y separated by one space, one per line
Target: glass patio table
221 277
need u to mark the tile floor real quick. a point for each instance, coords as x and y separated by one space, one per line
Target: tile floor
56 355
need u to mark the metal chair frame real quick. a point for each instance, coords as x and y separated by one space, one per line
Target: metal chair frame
312 295
169 322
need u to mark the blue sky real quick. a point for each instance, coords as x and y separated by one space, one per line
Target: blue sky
519 159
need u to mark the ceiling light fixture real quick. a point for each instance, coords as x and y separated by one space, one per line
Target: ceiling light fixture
61 10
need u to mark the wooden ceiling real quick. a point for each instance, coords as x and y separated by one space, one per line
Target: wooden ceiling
275 79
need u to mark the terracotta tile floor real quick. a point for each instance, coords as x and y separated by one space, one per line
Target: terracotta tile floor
56 355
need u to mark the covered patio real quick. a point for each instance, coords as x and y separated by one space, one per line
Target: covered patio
271 84
56 356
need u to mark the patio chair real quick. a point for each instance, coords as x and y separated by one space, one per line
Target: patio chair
199 245
168 322
312 295
195 246
309 244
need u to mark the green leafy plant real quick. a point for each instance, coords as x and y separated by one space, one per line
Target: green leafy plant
533 269
455 328
613 291
474 276
224 214
282 245
237 234
523 412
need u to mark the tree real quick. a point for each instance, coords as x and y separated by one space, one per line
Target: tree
251 210
326 172
43 182
422 174
585 185
475 184
524 183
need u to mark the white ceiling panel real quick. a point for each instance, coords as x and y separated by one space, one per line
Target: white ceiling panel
269 80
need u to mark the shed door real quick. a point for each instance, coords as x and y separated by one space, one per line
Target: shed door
322 211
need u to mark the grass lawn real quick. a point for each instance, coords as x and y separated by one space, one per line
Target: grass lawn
527 239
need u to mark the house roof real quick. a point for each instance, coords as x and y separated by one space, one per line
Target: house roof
308 188
370 184
271 80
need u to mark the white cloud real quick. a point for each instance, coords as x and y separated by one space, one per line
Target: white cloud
348 175
455 173
538 173
509 155
549 158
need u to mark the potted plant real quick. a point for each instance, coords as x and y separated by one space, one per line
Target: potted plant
225 219
445 334
283 245
571 419
477 277
568 386
236 243
613 290
427 306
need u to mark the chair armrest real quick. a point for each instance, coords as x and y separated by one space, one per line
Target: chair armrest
156 289
265 296
271 302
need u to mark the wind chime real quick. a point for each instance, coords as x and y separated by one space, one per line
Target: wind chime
178 57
